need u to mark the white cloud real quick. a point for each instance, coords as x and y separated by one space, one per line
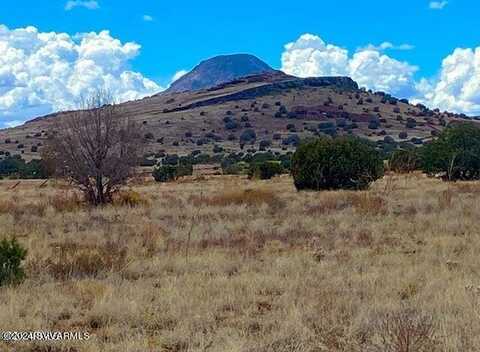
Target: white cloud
456 89
147 18
178 75
438 5
91 4
311 56
388 46
45 72
13 123
458 86
371 69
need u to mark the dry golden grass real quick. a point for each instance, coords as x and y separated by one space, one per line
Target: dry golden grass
269 269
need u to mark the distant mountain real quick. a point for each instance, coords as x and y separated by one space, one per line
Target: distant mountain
218 70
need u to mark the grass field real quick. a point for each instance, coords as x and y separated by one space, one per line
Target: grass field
228 264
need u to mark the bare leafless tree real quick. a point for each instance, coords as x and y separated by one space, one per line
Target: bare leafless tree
97 147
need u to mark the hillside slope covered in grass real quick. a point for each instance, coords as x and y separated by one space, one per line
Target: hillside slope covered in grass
273 109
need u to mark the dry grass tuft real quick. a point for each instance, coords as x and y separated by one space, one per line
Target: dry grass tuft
129 198
368 204
249 197
445 199
65 201
407 331
73 260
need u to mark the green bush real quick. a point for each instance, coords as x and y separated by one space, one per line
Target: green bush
165 173
339 163
168 173
248 135
11 256
15 166
240 168
456 153
405 161
265 170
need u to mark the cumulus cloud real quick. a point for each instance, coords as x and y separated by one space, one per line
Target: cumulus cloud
45 72
377 71
388 46
458 86
311 56
438 5
91 5
13 123
178 75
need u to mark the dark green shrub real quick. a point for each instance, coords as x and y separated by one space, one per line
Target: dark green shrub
456 153
404 161
147 162
231 125
265 170
403 135
292 139
265 144
326 125
240 168
165 173
411 123
341 122
248 136
171 159
11 256
339 163
17 167
217 149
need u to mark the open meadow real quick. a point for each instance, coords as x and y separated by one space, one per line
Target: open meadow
230 264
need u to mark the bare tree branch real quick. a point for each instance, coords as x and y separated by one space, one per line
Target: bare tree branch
97 147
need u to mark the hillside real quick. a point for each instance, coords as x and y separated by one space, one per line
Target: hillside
278 108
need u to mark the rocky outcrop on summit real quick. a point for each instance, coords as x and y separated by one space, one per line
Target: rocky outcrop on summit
218 70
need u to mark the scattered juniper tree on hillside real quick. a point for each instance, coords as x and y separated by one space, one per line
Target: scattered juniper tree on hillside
97 148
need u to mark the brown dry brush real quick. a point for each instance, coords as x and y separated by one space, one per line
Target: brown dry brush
96 148
406 331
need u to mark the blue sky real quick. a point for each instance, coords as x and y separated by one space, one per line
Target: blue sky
176 35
